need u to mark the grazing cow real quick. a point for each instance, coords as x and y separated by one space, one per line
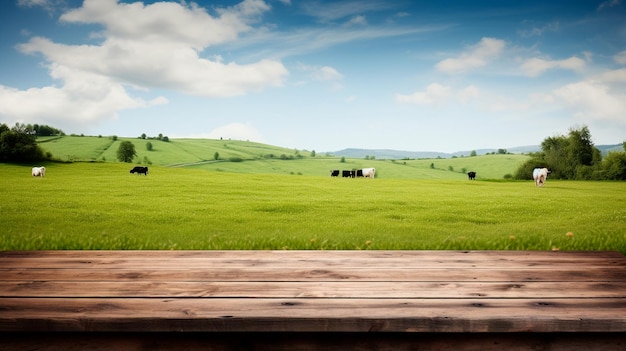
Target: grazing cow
369 172
471 175
39 171
347 174
540 175
334 173
139 170
359 172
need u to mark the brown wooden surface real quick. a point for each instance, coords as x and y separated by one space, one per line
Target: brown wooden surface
343 292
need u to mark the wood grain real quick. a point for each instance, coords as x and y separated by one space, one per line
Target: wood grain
349 292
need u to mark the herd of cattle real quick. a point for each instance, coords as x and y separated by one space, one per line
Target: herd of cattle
539 174
365 172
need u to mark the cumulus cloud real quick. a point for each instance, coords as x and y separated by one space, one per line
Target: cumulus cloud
536 66
143 46
593 100
613 76
83 98
475 57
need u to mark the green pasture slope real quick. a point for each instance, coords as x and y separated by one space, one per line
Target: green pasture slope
95 205
250 157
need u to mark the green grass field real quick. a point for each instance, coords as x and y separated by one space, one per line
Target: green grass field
97 205
254 157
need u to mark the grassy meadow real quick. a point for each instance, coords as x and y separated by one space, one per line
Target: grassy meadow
254 157
96 205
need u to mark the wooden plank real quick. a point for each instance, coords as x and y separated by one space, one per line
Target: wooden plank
304 254
313 291
297 259
312 315
329 289
571 274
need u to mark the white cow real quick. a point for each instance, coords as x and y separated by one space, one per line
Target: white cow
39 171
369 172
540 175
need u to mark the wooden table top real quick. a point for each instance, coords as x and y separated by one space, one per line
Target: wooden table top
312 291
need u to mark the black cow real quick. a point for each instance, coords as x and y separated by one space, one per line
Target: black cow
347 174
471 175
139 170
359 172
334 173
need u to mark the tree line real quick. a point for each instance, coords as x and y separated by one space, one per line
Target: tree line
19 144
571 156
575 157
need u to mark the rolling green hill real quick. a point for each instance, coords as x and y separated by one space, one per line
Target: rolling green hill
250 157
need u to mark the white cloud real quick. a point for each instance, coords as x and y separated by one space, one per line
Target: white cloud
613 76
435 93
593 100
143 46
475 57
536 66
620 58
236 131
78 100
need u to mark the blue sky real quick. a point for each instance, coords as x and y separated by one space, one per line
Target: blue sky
319 75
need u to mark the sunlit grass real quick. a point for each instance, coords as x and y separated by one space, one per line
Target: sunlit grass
102 206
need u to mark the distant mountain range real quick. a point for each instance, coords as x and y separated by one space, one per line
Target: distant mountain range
399 154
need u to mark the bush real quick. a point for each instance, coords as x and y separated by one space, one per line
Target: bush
614 166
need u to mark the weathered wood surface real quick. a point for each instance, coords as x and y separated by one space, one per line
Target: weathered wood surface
344 292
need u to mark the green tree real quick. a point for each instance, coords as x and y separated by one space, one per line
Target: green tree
568 157
19 144
313 153
126 151
216 156
614 166
473 153
148 146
